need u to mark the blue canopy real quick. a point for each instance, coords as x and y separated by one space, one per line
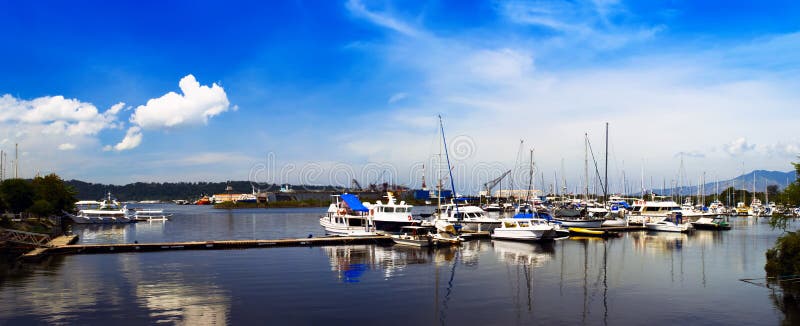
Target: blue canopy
354 203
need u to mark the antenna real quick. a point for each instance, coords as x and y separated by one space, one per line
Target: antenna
16 161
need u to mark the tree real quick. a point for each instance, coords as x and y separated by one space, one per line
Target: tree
53 191
17 194
41 208
784 258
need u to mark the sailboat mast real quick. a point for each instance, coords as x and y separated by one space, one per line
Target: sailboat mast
586 163
605 185
449 169
530 180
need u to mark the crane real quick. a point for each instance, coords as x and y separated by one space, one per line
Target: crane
488 186
355 185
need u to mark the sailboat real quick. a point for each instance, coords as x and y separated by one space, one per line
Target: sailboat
447 225
582 221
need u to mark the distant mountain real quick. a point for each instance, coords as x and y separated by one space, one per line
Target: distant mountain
762 179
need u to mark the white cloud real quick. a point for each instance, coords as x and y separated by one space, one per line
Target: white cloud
738 146
357 8
195 106
657 103
397 97
58 116
133 137
66 147
500 65
582 22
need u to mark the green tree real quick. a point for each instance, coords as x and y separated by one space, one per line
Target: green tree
54 191
17 194
784 258
41 208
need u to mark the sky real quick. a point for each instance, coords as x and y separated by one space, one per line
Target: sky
322 92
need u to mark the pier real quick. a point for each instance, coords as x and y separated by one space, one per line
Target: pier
64 245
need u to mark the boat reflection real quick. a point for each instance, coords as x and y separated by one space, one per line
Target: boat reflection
659 242
351 262
103 233
521 253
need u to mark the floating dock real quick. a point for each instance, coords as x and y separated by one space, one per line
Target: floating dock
66 248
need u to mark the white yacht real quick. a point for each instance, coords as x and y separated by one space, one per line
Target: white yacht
670 224
756 208
346 215
524 229
106 211
717 207
470 218
392 216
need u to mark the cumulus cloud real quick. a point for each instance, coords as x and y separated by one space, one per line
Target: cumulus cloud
49 126
738 146
133 137
58 115
195 106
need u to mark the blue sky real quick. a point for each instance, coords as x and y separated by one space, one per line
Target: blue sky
317 91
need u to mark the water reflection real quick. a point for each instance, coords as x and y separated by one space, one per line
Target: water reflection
103 233
524 254
168 297
351 262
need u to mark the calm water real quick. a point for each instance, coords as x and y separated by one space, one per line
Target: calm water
641 278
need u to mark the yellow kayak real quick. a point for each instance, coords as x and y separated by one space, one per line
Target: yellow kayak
586 231
591 233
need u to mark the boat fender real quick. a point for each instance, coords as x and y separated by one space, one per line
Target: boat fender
372 212
409 217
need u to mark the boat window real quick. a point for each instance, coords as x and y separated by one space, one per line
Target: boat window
523 224
510 225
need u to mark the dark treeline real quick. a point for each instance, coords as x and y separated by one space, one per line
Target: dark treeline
169 190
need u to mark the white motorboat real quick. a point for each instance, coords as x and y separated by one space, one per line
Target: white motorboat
670 224
493 207
415 236
615 222
470 218
391 216
107 211
346 215
524 229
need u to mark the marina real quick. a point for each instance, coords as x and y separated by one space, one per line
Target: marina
350 162
524 280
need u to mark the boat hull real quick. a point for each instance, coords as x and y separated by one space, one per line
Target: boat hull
710 226
667 227
420 242
615 222
394 226
478 226
580 223
524 235
340 229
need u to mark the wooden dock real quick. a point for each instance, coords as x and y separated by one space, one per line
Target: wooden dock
66 248
61 241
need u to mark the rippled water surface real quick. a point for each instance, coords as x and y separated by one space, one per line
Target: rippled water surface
640 278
